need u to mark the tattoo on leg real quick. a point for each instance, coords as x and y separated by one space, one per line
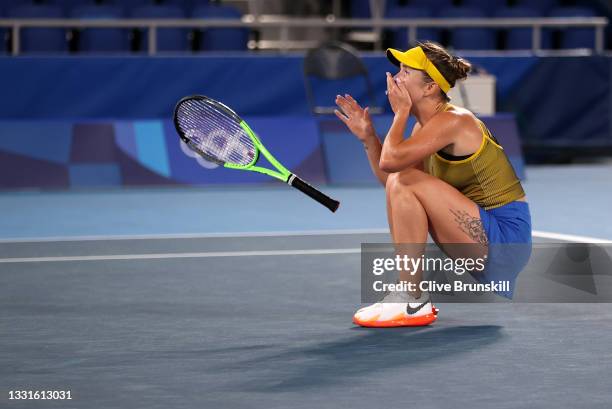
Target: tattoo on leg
472 226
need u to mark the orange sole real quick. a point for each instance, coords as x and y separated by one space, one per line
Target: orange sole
421 321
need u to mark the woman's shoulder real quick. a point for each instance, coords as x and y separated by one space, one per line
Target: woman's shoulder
465 131
459 112
461 118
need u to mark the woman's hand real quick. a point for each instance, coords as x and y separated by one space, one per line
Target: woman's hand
398 95
356 119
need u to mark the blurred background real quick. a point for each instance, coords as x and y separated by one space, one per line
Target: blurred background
89 89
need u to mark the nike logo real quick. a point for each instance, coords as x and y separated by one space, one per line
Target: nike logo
411 311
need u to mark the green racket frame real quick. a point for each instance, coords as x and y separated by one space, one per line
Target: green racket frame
281 172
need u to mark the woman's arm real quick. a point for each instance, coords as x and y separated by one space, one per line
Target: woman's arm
373 149
399 153
359 123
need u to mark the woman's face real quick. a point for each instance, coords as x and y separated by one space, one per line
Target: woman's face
413 80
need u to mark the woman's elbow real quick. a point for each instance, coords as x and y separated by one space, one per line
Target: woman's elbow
387 165
392 165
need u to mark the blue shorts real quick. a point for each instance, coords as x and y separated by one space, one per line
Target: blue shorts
508 229
510 223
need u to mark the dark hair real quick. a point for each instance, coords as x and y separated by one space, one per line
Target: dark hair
452 68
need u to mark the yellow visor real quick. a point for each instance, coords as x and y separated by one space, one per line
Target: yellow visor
416 58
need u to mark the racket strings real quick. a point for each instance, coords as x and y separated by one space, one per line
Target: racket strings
218 135
215 133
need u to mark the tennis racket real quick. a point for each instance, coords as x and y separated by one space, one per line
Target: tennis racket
219 135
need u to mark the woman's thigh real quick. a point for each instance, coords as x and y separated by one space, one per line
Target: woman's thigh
452 217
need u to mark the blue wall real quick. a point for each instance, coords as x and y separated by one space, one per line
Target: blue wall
562 101
84 154
65 154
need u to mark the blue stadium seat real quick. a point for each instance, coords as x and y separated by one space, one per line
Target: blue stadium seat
400 35
469 38
221 39
191 5
431 4
40 40
360 9
101 39
489 7
168 39
520 38
3 36
186 4
129 5
542 6
575 37
69 5
6 5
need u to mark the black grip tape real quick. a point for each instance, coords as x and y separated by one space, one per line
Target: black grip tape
320 197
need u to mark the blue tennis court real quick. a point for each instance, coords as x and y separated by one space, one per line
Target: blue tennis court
171 297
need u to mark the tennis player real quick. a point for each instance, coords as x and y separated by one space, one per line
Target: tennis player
450 178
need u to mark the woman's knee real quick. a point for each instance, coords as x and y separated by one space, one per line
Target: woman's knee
395 186
391 180
416 181
399 194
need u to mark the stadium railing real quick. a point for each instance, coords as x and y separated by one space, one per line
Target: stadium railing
285 24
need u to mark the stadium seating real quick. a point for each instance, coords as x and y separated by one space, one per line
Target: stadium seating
221 39
128 6
101 39
575 37
521 38
5 5
68 6
400 35
185 5
3 37
432 4
469 38
543 7
360 9
168 39
37 40
488 7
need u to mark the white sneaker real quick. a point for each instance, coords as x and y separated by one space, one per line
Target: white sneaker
398 309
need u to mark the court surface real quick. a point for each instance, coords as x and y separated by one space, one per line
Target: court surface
166 305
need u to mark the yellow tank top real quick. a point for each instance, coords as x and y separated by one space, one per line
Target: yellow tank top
486 177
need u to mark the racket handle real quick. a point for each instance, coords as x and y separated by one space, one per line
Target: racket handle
320 197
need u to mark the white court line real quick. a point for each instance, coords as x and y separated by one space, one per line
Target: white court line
181 255
535 233
194 235
568 237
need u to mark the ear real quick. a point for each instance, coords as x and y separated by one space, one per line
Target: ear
430 89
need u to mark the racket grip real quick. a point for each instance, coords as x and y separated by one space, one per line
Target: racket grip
320 197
